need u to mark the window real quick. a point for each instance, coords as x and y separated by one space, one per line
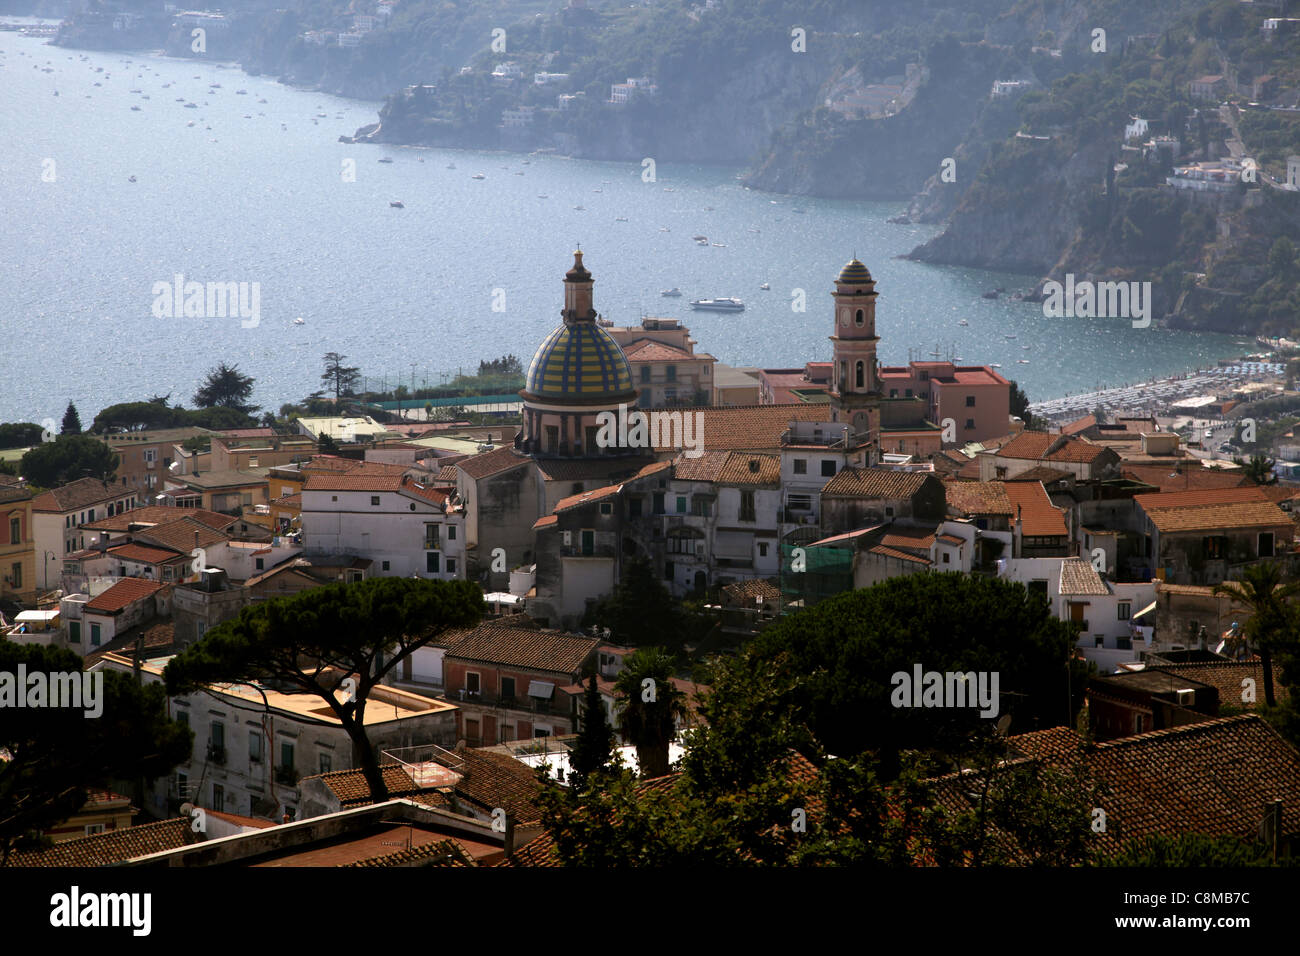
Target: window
451 565
606 508
645 374
431 562
1124 610
1265 545
659 503
970 401
374 501
334 497
634 507
947 558
451 532
259 564
94 635
74 632
970 423
828 467
762 549
670 373
93 828
858 376
747 506
552 438
889 511
507 688
16 575
858 317
591 432
385 565
218 797
801 466
908 393
183 717
1214 547
15 530
588 542
286 755
681 504
431 535
252 461
255 746
700 506
471 682
326 762
150 455
799 502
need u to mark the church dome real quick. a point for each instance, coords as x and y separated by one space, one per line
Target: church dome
579 362
854 272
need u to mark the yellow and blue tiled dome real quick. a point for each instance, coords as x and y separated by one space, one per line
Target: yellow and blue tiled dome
854 272
579 362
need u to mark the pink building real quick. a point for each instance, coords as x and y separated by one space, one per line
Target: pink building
976 398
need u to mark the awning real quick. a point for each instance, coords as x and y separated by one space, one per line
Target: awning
1146 610
540 688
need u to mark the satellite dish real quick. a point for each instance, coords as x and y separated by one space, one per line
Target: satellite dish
173 466
1003 725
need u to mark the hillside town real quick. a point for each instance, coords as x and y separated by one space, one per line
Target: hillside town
798 485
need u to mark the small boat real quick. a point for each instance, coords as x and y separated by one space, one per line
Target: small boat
241 92
478 176
1022 361
720 304
701 242
385 159
989 295
321 116
397 204
672 293
664 229
135 109
130 179
620 219
261 101
1006 336
543 196
137 91
1025 347
518 172
179 99
963 322
720 245
765 287
215 86
995 365
190 106
299 321
698 238
596 190
190 123
669 189
580 208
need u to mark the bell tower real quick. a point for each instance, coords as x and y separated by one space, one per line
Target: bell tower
855 374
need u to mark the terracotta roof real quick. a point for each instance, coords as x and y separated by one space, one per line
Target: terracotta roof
1186 476
1080 577
900 555
1222 517
179 535
978 498
77 494
1183 499
1037 516
447 473
348 481
875 483
494 780
427 492
1041 473
159 634
1079 425
1215 777
546 522
751 427
109 847
122 594
744 592
352 790
648 350
140 552
440 853
1077 450
492 462
729 468
514 646
908 538
1030 445
1227 677
586 497
288 501
160 514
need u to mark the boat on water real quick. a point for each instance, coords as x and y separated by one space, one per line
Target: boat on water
136 109
131 179
720 304
1025 347
1011 336
701 242
1022 361
720 245
620 218
765 287
478 176
190 123
241 92
580 208
543 196
397 204
385 159
995 365
963 322
299 321
672 293
698 238
190 106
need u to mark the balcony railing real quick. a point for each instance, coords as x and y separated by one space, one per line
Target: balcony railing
533 705
286 776
217 754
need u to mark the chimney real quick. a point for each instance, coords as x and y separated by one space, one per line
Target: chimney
509 844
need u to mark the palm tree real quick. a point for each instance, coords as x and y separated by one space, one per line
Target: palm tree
649 707
1264 595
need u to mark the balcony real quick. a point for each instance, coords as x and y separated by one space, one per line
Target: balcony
827 439
532 705
217 754
286 776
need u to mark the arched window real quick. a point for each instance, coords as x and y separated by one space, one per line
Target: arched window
860 382
859 317
844 374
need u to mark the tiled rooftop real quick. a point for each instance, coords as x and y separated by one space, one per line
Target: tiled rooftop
875 483
513 646
122 594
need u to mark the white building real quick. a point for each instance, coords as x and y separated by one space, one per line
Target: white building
550 79
1293 172
252 743
1135 129
406 528
58 516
